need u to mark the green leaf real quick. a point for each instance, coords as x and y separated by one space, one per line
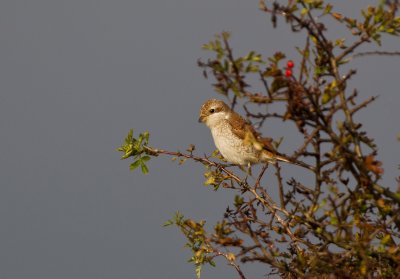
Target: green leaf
326 97
249 56
135 164
129 137
146 136
198 271
140 140
168 223
127 155
238 201
207 46
145 158
145 169
386 239
328 9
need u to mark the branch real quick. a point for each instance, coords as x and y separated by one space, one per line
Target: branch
363 104
205 161
382 53
232 263
351 48
265 167
279 178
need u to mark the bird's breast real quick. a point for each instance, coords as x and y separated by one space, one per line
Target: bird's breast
232 147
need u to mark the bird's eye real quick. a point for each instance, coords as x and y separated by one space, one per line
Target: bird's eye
212 110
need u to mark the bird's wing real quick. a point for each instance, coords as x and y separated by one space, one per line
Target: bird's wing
242 129
245 131
239 126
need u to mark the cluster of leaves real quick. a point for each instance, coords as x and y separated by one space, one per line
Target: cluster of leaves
229 72
197 240
344 224
376 21
136 148
201 244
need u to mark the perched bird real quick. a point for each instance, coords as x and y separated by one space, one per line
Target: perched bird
237 141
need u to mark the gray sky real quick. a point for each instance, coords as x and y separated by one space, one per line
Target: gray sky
75 76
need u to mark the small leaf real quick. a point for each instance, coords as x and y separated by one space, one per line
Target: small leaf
337 16
238 201
129 137
146 136
210 181
328 9
340 42
145 158
326 97
352 23
373 165
135 165
191 148
231 257
128 151
168 223
145 169
198 271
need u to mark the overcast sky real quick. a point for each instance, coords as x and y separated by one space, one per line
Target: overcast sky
75 76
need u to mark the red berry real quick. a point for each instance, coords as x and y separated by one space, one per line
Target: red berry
290 64
288 73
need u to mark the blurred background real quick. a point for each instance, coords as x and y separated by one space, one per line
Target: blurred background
76 75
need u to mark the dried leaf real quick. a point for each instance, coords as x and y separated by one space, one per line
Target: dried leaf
373 165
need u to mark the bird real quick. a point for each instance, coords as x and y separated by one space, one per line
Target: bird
237 140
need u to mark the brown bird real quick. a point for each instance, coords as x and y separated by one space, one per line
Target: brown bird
237 141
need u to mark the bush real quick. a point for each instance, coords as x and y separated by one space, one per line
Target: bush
344 224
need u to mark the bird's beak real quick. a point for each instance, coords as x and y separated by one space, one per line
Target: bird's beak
201 119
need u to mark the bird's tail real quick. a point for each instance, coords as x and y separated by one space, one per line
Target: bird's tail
272 157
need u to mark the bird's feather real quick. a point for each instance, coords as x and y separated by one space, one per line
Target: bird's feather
243 129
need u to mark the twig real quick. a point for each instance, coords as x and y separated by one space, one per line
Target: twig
383 53
363 104
235 70
351 48
257 184
308 140
280 185
195 158
265 83
232 263
303 61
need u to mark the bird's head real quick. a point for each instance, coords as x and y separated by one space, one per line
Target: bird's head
213 111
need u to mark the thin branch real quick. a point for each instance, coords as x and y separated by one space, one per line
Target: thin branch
303 67
238 77
232 263
351 48
257 184
363 104
280 185
381 53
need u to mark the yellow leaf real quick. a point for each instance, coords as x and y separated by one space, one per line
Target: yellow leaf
231 257
337 16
